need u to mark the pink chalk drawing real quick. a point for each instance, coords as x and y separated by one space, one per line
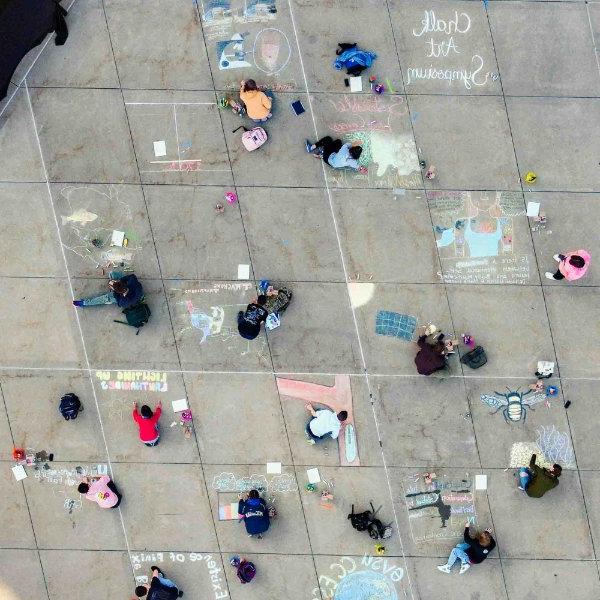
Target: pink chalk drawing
337 397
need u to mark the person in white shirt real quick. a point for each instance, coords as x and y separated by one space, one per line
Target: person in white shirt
323 423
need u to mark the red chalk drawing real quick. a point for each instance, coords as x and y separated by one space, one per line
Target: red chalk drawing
337 397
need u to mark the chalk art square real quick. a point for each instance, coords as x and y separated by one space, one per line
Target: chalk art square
190 127
395 324
438 510
481 237
447 48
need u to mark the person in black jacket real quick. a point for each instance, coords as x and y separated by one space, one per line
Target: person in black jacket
472 552
249 321
253 509
160 587
125 291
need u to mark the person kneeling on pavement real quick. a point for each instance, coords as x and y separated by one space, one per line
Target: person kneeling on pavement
324 423
249 321
253 509
535 481
160 587
100 490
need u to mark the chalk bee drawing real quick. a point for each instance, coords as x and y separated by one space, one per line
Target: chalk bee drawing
514 403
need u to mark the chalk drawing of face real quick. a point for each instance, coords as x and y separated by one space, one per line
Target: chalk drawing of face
365 585
271 51
396 151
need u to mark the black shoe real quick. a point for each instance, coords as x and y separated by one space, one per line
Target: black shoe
180 594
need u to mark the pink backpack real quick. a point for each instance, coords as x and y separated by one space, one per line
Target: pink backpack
252 138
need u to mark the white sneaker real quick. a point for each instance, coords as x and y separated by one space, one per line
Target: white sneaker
549 275
556 257
444 568
464 568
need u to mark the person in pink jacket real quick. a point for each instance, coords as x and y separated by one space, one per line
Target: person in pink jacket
571 266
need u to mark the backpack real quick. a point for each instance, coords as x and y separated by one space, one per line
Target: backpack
137 316
379 531
366 521
360 521
245 570
474 359
252 138
70 406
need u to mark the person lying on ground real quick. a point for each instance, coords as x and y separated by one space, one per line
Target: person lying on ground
337 154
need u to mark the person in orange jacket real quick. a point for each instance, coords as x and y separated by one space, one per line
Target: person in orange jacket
258 104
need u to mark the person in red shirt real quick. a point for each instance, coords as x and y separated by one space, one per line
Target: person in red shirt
147 422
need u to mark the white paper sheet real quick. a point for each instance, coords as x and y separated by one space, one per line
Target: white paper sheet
356 84
19 472
179 405
160 148
481 482
533 209
313 475
117 238
274 468
243 271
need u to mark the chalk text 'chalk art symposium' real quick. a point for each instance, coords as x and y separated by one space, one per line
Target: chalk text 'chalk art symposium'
460 24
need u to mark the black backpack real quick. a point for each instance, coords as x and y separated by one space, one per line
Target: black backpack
70 406
360 521
367 521
379 531
137 316
474 359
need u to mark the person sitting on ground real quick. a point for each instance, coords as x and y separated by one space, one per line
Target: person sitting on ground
253 509
571 266
472 551
535 481
101 490
160 587
125 291
323 423
250 320
147 423
258 104
337 154
432 354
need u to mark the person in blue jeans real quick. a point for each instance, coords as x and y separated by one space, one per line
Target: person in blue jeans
125 291
160 587
470 552
535 481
